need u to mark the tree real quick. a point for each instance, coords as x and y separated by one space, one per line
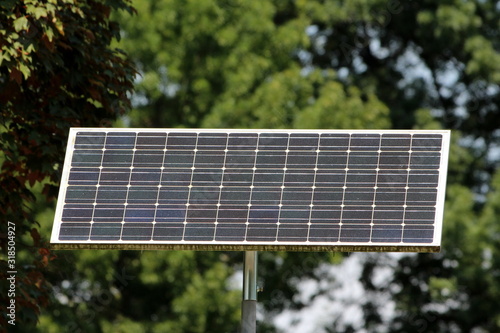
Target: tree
217 64
57 70
378 64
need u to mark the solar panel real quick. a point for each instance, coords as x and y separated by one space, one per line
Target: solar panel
220 189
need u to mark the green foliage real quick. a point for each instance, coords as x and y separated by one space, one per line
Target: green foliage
56 70
206 303
254 64
355 64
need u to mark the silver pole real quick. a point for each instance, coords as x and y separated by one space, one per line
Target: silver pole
249 304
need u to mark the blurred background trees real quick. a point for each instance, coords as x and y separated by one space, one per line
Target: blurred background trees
292 64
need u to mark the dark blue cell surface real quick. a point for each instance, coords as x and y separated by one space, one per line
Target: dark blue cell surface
262 187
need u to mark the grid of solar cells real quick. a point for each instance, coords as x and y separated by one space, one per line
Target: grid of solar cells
189 186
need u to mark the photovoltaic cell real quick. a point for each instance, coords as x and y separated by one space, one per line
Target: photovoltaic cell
252 190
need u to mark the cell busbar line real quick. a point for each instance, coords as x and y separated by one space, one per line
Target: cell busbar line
235 189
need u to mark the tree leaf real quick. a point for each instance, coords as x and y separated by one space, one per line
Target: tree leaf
21 23
4 55
59 26
50 33
25 70
40 12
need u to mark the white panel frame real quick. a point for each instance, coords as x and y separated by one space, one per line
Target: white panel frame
246 245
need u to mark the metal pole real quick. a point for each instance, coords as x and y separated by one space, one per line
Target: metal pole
249 303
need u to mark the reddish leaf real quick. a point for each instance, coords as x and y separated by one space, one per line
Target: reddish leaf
33 177
43 251
48 44
94 93
16 75
89 34
36 236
